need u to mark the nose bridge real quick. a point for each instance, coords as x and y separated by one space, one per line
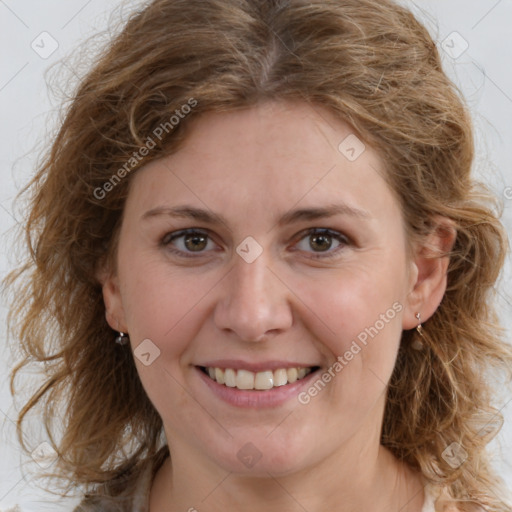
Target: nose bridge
254 301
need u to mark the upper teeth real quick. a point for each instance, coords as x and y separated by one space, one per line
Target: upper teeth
244 379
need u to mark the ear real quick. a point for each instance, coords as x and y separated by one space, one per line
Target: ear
114 311
429 272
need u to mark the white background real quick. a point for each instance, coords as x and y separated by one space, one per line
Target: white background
483 71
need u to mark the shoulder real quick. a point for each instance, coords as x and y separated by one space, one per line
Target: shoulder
100 504
106 500
437 499
129 494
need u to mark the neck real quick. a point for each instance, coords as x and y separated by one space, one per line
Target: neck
371 479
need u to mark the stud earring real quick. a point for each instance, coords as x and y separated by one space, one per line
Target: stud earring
122 338
417 344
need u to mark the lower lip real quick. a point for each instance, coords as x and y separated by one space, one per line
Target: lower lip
254 398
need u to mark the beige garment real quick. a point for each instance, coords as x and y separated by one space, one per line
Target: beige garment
132 495
428 505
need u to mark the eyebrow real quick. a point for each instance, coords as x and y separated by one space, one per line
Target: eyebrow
303 214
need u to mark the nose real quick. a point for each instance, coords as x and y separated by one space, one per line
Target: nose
255 303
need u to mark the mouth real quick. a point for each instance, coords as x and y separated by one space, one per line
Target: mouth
256 381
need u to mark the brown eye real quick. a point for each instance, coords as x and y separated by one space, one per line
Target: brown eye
320 240
186 242
195 242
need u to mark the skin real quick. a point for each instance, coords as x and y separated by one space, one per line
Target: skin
252 166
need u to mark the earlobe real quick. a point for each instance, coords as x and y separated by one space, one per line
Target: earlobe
431 263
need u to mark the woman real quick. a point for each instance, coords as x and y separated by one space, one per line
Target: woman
261 272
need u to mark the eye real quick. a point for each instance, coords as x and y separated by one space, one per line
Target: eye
321 241
187 241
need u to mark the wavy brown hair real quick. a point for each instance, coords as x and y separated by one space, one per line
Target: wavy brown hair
374 66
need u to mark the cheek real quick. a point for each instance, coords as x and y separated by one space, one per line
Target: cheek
356 313
356 320
161 303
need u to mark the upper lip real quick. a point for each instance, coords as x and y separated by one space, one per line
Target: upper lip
237 364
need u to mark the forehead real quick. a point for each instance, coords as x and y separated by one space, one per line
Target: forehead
269 157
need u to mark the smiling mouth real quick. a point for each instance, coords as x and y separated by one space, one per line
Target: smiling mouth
259 381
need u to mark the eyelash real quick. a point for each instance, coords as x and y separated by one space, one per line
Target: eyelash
340 237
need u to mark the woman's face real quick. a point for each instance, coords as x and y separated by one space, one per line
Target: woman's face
295 257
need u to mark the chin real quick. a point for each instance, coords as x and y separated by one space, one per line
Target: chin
262 456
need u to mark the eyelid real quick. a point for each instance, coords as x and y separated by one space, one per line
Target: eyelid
181 232
338 235
342 238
